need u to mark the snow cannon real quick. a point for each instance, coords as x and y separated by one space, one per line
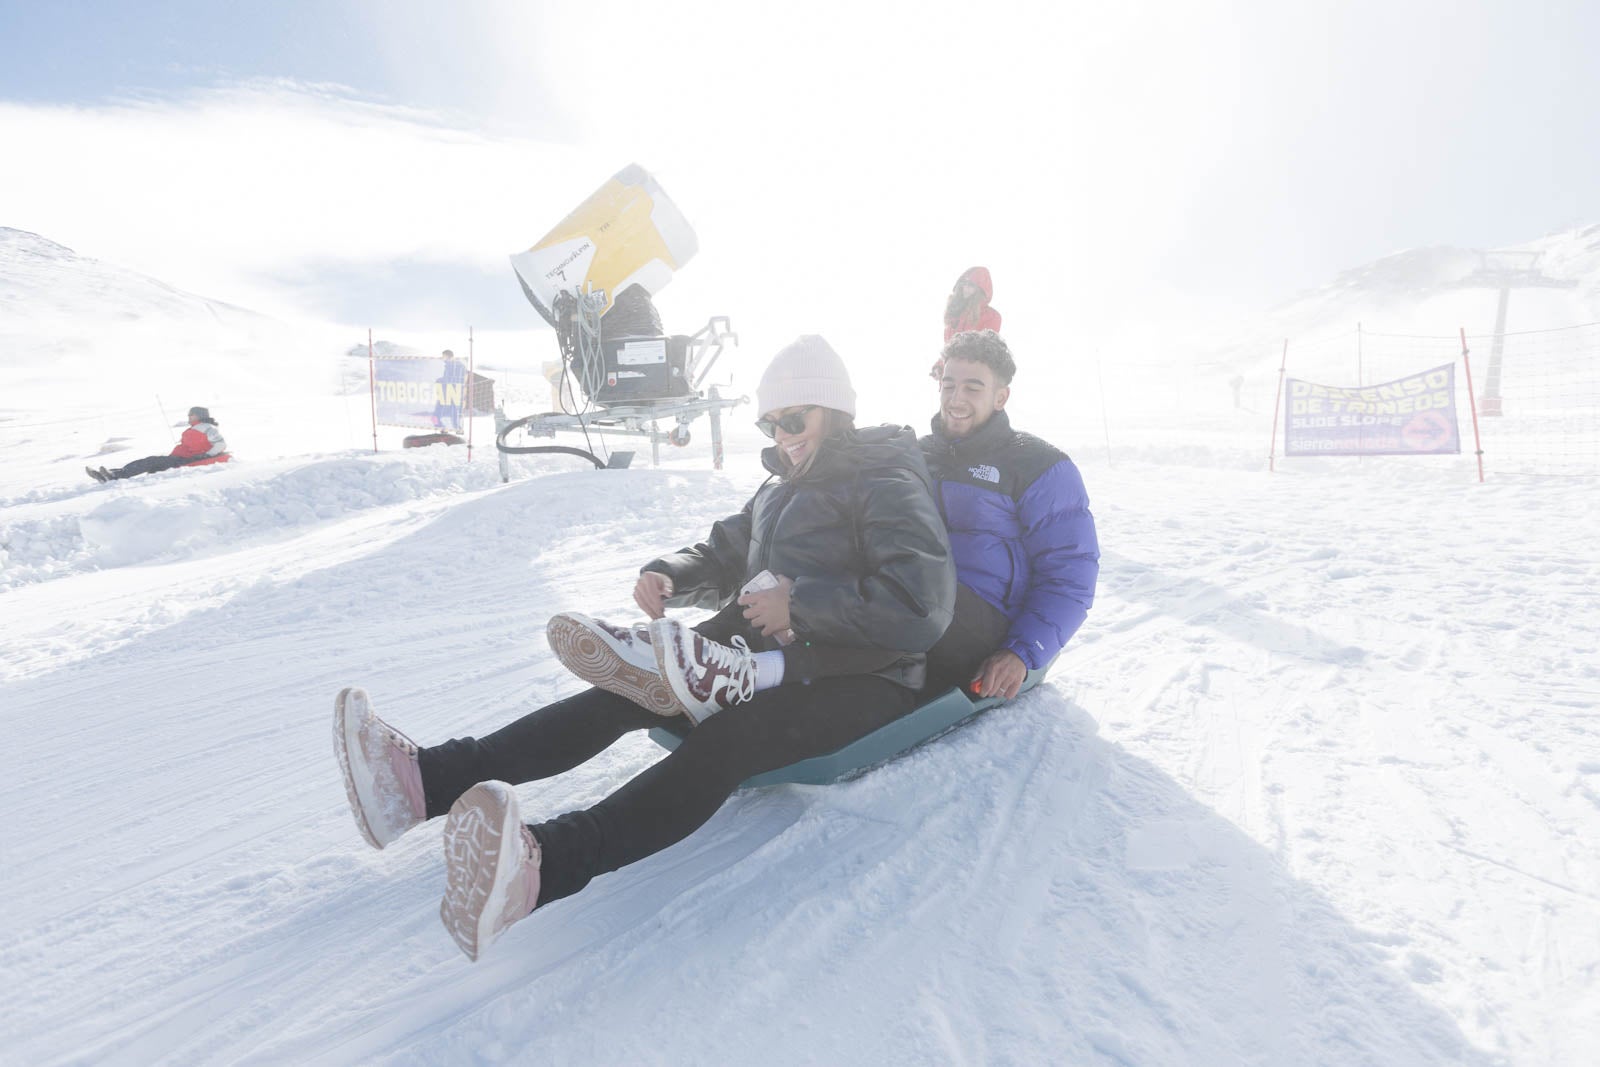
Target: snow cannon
592 278
627 233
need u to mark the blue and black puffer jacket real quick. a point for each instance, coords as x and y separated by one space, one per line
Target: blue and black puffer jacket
1020 530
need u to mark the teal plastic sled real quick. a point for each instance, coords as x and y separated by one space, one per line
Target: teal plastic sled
885 743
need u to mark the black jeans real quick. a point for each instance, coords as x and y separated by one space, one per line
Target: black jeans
673 797
977 629
151 464
805 663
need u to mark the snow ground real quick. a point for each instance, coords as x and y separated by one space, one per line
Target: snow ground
1318 783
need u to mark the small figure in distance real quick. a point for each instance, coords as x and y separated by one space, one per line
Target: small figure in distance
447 416
200 444
967 309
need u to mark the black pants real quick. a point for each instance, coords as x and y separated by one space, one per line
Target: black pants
977 629
151 464
805 663
671 799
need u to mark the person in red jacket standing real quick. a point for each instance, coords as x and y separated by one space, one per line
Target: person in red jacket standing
200 444
967 310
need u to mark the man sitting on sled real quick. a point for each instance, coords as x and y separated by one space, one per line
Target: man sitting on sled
1023 538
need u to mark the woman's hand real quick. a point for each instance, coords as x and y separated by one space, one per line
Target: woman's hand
768 610
650 592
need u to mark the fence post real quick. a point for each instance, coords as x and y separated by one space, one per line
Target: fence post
1272 450
1361 431
1105 419
372 389
1477 441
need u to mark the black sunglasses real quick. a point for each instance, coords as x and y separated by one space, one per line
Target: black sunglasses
789 422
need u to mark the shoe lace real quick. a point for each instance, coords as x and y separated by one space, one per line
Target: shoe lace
399 740
740 663
410 784
532 858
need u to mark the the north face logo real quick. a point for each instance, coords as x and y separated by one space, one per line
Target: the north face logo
984 473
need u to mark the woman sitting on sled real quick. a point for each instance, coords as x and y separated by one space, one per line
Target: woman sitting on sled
849 580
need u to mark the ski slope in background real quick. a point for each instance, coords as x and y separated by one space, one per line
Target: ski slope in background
1317 783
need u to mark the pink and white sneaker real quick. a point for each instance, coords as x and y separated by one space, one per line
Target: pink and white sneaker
379 763
491 867
615 658
706 677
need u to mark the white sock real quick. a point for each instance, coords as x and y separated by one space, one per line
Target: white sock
769 670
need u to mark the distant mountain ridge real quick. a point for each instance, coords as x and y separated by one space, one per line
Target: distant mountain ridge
40 278
111 325
1430 291
1571 256
55 303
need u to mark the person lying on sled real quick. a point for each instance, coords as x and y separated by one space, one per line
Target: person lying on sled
859 579
200 444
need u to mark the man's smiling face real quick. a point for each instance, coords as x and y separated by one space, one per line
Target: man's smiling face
969 393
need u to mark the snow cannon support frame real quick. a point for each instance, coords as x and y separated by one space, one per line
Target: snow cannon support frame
584 371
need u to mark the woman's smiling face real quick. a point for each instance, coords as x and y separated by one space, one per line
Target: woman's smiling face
799 447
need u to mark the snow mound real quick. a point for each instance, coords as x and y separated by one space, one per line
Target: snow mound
194 512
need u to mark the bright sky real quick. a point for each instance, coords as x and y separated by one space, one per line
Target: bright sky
375 162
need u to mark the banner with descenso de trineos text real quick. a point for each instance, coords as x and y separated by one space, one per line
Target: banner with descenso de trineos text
427 393
1411 416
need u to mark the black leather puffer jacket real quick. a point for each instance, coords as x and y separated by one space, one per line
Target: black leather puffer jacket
860 534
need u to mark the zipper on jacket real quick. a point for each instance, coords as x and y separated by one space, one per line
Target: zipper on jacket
787 488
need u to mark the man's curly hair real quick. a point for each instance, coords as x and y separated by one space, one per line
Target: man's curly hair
986 347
